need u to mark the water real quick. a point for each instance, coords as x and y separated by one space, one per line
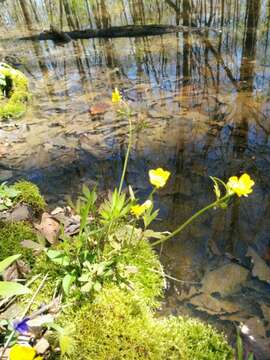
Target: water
201 107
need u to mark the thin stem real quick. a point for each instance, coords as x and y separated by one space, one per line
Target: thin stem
193 217
126 157
152 193
173 278
132 232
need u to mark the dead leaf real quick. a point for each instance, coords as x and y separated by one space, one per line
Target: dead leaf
99 108
260 268
3 150
19 269
57 211
49 228
29 244
213 306
225 279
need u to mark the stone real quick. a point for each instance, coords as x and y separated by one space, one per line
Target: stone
42 346
20 213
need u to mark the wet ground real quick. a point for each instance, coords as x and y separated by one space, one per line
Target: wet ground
201 108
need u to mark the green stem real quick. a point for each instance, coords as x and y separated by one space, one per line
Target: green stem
193 217
132 232
152 193
126 157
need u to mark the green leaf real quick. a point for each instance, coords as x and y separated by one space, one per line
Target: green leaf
87 287
8 261
67 281
239 346
58 257
97 286
148 217
85 277
148 234
11 288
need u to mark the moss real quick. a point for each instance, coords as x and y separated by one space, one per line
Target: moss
147 280
119 325
116 326
11 236
199 340
30 195
18 95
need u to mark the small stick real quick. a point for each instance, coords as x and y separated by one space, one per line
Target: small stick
175 279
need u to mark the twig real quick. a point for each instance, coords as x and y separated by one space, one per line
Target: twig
175 279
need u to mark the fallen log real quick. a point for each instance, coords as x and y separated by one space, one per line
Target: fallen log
113 32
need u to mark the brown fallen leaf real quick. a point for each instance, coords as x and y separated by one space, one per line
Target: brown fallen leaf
260 268
224 280
36 247
57 211
19 269
49 228
3 150
99 108
209 304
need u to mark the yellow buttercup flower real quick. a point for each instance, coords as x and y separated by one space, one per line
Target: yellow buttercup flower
19 352
159 177
139 210
116 96
242 186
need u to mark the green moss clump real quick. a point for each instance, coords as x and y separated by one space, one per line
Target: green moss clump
200 341
139 264
30 195
11 236
18 95
147 280
119 325
116 326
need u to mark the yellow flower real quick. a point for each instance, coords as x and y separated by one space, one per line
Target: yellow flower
19 352
159 177
242 186
139 210
116 96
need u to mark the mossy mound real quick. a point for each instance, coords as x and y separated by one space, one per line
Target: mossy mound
11 236
13 104
147 279
30 195
119 325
